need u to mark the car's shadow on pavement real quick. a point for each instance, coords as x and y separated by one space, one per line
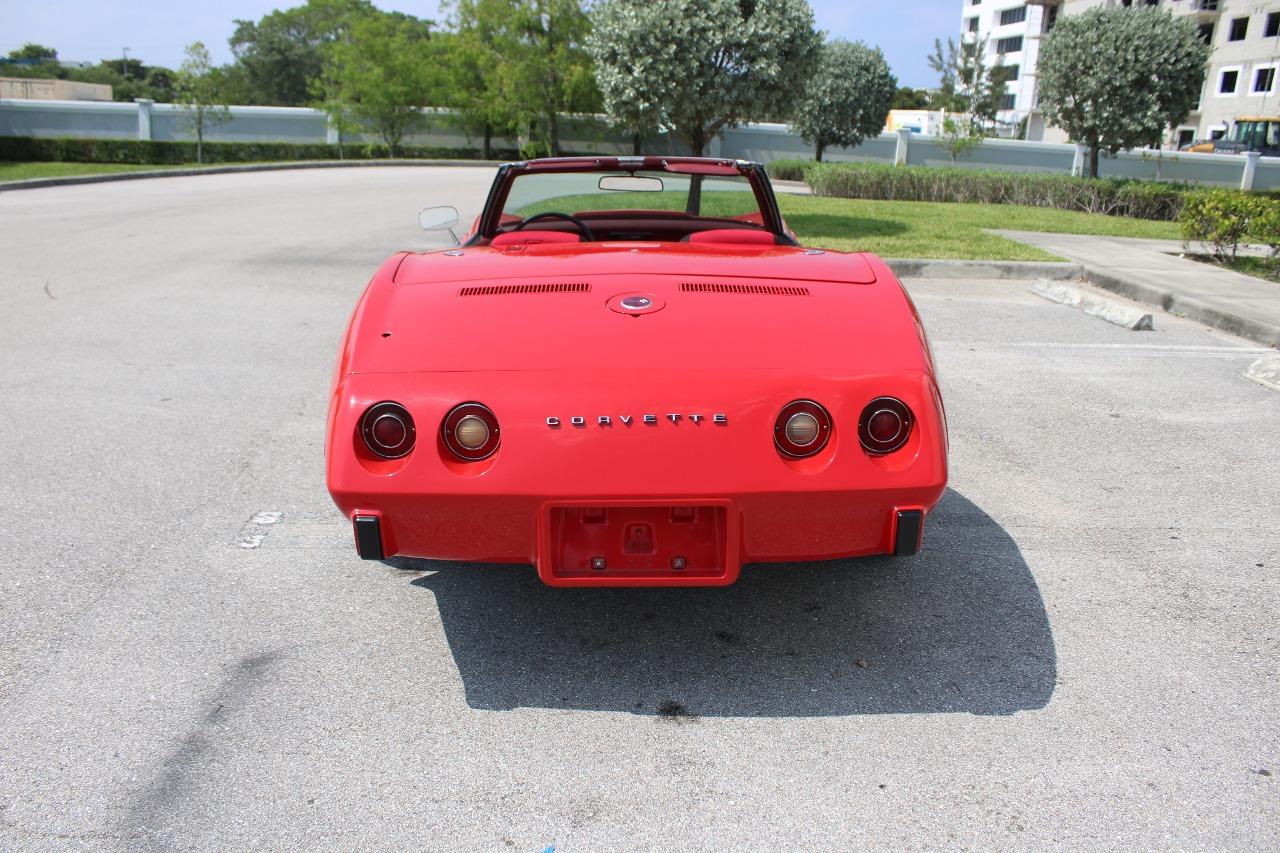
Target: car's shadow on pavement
960 627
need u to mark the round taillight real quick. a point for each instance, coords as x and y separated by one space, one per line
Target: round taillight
470 431
885 425
801 429
388 430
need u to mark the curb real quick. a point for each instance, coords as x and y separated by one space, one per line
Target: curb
1111 310
931 268
71 180
1184 306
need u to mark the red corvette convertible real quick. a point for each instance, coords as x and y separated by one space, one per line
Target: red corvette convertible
629 373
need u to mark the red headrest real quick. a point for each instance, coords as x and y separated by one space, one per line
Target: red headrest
733 235
531 238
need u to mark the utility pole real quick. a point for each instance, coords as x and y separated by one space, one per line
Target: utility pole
124 62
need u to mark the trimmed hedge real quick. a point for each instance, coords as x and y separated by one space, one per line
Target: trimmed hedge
789 170
74 150
1140 199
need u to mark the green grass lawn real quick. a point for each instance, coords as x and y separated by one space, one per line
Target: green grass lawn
920 229
893 229
19 171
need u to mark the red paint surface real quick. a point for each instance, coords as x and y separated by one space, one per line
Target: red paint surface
534 352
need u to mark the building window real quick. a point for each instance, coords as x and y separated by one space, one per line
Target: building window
1013 16
1051 18
1272 29
1186 135
1263 80
1227 80
1008 101
1013 44
1013 71
1206 32
1239 28
973 24
1208 5
975 2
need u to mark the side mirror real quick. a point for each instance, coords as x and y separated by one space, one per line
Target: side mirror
442 218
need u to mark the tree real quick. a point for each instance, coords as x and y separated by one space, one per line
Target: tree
281 57
698 66
848 97
967 84
31 52
470 65
381 74
946 62
958 137
196 88
144 81
1116 78
907 98
525 63
32 61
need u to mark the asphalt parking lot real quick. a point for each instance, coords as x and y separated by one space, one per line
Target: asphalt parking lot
1084 654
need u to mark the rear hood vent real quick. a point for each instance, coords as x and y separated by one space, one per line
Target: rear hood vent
762 289
508 289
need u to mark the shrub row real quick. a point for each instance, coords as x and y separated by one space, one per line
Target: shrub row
72 150
1141 199
789 170
1226 218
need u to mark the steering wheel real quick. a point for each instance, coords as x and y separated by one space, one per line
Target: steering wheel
583 230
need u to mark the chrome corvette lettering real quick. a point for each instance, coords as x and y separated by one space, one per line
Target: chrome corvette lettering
719 418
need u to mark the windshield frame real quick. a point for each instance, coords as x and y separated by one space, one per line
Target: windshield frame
490 220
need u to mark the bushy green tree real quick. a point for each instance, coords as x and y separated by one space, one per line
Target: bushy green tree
1117 78
33 61
519 65
697 66
380 74
907 98
196 90
280 58
128 78
144 81
32 52
848 97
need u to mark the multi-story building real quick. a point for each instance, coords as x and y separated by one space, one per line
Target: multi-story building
1243 76
1010 33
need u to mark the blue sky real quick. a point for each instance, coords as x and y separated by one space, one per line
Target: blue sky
156 31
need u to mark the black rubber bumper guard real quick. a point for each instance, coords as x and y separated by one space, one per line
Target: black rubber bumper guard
909 530
368 537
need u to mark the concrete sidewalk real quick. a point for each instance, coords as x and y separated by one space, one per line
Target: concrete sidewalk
1150 271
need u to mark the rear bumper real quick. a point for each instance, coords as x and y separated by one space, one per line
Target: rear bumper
526 503
680 541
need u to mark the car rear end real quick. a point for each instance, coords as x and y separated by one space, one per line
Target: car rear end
611 449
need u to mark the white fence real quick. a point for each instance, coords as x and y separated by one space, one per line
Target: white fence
764 142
